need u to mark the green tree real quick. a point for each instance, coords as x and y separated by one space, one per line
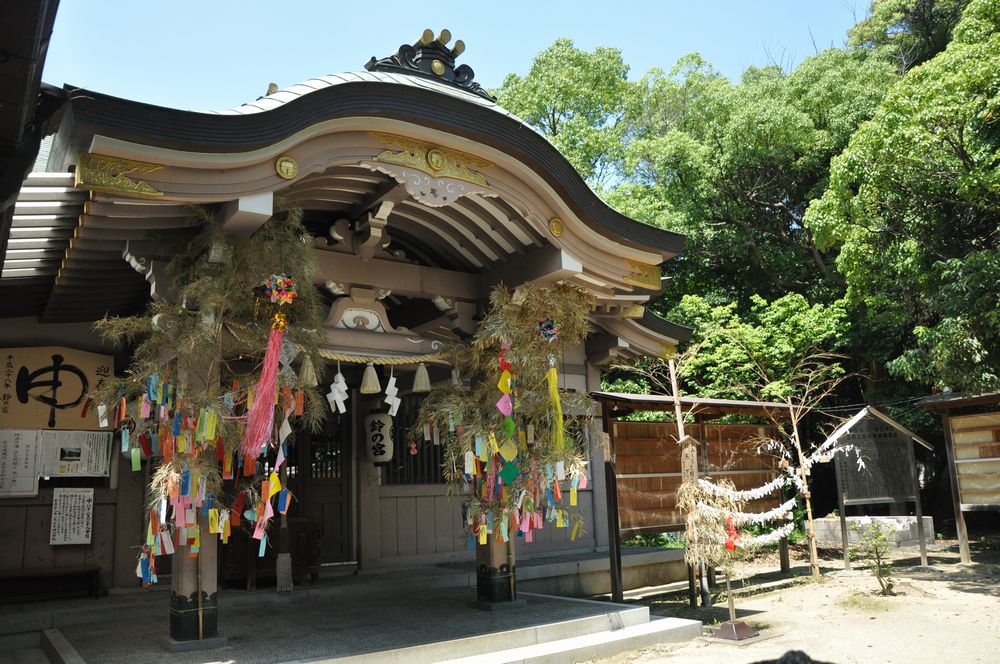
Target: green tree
773 337
907 32
914 208
578 100
734 166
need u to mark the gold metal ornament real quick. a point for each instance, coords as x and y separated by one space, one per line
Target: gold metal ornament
279 321
112 175
286 167
436 160
444 162
644 276
556 227
437 67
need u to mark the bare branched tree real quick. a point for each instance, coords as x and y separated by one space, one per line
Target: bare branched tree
804 387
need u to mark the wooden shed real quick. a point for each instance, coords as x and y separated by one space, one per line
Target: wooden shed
972 439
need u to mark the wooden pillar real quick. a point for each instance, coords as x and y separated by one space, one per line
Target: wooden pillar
785 563
956 496
614 526
194 608
495 572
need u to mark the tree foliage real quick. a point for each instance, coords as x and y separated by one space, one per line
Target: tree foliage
734 349
578 100
866 174
907 32
914 207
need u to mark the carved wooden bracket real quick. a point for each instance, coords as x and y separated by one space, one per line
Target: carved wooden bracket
370 234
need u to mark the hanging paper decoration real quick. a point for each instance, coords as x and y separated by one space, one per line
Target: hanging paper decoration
280 289
260 418
337 396
552 377
549 329
501 423
732 537
391 400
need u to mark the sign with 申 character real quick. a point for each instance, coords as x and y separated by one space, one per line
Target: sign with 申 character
47 387
72 516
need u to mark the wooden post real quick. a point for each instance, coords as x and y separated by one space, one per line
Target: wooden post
956 496
843 519
783 555
813 554
614 526
692 593
916 502
706 597
732 604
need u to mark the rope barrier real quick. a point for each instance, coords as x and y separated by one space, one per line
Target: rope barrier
384 360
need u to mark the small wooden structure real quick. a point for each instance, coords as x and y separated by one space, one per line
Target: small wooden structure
890 471
972 440
643 469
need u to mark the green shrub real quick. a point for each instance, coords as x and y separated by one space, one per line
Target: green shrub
873 551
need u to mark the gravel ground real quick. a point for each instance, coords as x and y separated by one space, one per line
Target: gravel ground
946 612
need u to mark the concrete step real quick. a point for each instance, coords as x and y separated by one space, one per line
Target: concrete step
592 646
620 627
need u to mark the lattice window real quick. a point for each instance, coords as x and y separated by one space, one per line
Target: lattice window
887 474
424 467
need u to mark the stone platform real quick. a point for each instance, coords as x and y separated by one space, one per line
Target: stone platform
900 531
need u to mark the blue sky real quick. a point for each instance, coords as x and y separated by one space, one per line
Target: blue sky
217 54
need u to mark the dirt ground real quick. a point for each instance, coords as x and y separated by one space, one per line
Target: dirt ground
946 612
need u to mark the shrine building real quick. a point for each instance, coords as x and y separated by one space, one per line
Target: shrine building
421 193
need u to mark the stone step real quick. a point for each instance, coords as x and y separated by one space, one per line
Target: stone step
37 647
619 628
31 656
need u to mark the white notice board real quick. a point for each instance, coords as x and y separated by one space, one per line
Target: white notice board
18 463
74 453
72 516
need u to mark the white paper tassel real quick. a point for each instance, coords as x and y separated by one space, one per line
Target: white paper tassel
421 381
369 382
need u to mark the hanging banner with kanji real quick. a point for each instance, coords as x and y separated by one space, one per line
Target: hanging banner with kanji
47 387
72 516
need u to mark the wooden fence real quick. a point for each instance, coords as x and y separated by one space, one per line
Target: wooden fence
649 469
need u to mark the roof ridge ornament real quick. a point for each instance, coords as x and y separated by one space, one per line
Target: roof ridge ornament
431 57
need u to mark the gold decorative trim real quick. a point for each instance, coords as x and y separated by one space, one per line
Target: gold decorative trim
432 159
112 175
286 167
644 276
633 311
556 227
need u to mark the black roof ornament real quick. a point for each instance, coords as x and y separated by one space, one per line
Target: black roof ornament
432 58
